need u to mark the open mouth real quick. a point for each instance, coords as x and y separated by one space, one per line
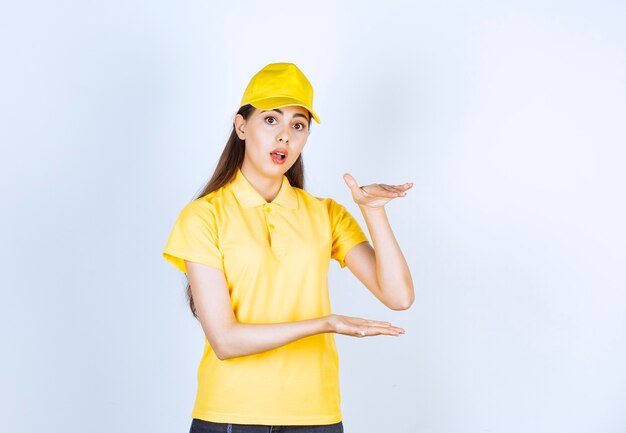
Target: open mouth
279 155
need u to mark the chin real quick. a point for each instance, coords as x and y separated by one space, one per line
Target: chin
275 170
283 168
271 169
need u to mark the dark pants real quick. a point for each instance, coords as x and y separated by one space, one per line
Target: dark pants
201 426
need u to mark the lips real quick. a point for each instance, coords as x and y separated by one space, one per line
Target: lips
279 154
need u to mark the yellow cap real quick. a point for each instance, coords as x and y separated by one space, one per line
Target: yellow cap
279 85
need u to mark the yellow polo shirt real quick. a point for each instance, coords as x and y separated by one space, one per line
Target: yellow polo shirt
275 256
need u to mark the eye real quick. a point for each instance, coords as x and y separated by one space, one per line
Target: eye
302 126
267 119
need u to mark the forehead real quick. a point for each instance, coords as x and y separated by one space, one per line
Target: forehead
295 109
289 111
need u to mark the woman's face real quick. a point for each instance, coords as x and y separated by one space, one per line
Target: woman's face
274 138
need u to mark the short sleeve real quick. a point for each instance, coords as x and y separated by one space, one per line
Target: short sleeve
194 238
346 231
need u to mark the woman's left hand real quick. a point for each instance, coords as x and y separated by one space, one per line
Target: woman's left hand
375 194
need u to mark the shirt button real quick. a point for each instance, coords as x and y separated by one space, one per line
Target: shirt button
268 210
272 226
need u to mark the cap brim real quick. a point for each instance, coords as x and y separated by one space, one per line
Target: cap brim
279 101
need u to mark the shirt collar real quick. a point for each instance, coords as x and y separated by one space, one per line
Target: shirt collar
247 196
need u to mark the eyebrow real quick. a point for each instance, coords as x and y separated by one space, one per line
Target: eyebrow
295 115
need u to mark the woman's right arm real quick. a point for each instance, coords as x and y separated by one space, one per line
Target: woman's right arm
229 338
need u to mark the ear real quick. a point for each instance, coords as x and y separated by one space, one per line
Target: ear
239 123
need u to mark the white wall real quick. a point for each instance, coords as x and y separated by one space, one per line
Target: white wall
508 116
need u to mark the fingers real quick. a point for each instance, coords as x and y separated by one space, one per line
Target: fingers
389 191
381 190
370 331
359 327
372 327
398 190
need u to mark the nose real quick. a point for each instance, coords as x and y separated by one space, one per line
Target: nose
283 135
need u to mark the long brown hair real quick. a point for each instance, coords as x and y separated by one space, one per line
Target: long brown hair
230 161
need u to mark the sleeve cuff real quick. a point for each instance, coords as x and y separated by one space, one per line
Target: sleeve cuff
178 260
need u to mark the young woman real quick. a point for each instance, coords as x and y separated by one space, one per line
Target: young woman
256 250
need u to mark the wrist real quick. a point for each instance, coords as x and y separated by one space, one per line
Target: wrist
372 210
328 323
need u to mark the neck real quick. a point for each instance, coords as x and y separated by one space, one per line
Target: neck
267 187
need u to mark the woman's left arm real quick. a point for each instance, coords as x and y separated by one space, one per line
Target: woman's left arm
382 269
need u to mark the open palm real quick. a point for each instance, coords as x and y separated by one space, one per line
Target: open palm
375 194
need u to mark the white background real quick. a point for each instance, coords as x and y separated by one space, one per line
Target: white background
508 116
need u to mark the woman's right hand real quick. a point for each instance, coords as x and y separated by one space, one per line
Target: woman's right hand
358 327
